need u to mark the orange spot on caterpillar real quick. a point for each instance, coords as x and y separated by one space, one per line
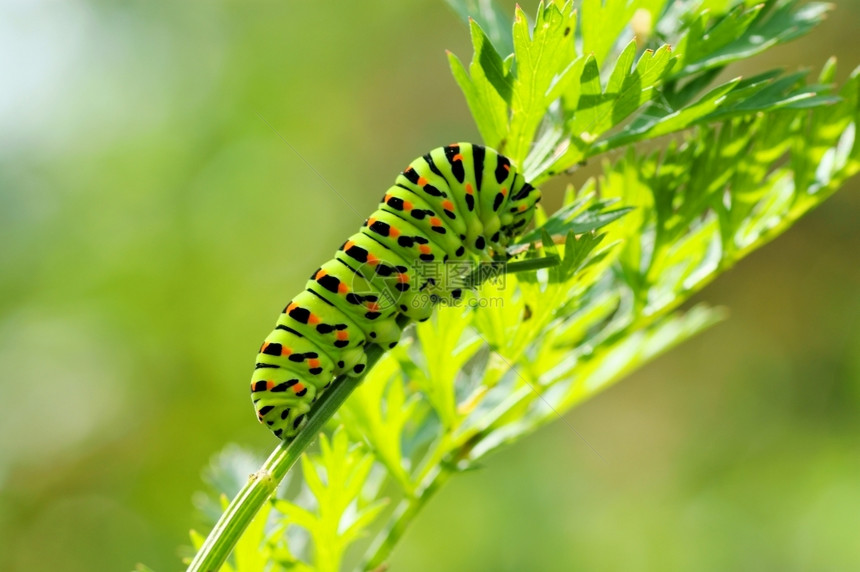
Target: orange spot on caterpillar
403 278
291 307
407 169
523 207
372 306
393 232
469 189
349 244
457 157
285 351
265 345
313 363
320 274
270 384
407 205
342 335
342 288
370 221
313 319
448 205
424 249
435 221
422 181
298 387
504 192
507 168
372 260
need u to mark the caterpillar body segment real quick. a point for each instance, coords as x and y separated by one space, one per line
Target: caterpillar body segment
458 203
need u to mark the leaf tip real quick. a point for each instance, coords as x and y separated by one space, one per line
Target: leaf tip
518 13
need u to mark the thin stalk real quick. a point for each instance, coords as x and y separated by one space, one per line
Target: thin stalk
403 516
262 484
519 266
480 274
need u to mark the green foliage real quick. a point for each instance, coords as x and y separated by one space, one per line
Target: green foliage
752 156
598 89
333 508
337 479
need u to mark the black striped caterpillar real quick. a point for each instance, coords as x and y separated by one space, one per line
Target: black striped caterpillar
462 202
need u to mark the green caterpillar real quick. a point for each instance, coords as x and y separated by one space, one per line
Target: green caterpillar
458 203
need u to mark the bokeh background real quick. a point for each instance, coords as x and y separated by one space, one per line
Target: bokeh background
154 219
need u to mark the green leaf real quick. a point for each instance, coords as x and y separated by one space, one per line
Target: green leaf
613 359
702 47
745 32
597 94
491 17
489 61
444 356
591 110
337 479
668 121
576 252
640 86
250 552
604 20
380 414
581 216
543 56
487 106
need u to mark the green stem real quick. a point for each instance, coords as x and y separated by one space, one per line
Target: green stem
530 265
262 484
405 513
547 261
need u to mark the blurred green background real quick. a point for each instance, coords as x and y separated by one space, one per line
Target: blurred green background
153 223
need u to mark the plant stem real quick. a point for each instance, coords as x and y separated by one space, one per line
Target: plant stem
405 513
547 261
262 484
480 274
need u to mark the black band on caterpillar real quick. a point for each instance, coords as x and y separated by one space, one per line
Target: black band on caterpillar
460 202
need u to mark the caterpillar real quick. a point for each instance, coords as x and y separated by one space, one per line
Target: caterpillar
458 203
